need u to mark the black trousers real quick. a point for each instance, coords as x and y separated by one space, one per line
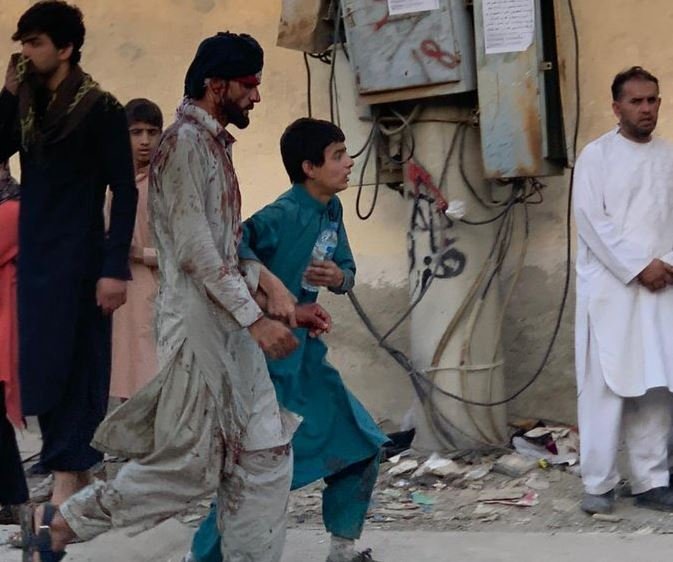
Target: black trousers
68 428
13 488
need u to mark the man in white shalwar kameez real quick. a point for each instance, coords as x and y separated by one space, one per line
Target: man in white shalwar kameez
624 338
209 420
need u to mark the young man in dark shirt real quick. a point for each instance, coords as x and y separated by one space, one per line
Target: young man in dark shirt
73 141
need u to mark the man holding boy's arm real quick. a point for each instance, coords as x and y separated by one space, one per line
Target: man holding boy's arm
337 439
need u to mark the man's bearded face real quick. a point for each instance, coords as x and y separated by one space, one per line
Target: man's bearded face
237 101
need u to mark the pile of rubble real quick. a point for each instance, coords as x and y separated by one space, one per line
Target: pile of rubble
534 486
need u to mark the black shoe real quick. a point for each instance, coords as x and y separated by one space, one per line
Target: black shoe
659 499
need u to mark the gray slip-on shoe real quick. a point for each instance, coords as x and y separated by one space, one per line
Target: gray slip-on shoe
599 503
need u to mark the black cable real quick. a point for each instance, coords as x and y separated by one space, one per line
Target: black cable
447 160
492 219
335 40
421 378
358 198
308 85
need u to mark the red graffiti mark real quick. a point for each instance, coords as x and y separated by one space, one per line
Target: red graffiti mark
431 49
419 176
383 21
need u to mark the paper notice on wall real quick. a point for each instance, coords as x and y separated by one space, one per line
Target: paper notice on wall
509 25
397 7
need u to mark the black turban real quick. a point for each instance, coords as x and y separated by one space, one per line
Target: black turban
225 55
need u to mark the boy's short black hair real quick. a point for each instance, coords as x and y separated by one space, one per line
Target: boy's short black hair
141 110
633 73
63 23
307 139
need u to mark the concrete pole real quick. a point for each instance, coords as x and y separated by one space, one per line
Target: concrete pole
443 423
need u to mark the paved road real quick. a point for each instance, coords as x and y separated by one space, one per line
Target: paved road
167 543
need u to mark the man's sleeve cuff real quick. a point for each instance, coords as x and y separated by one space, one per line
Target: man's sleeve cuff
248 313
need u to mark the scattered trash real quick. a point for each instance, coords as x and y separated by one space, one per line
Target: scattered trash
400 506
532 450
514 465
394 494
609 518
192 518
402 483
422 499
381 518
564 505
510 496
478 472
403 467
456 209
439 466
557 432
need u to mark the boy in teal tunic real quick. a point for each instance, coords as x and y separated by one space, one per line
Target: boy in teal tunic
337 440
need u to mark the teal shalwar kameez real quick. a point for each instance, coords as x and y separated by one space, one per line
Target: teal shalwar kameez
337 440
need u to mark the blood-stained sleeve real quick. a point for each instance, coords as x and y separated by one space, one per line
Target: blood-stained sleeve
183 178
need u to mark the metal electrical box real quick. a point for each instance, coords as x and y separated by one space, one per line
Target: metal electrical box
409 55
520 110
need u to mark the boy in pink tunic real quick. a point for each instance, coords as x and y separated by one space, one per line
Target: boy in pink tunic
134 360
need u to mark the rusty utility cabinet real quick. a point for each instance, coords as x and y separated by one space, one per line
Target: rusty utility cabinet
411 55
521 117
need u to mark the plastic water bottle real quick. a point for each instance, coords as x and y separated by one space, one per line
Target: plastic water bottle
323 250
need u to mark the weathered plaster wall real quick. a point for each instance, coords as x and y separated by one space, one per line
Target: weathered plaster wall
143 48
614 34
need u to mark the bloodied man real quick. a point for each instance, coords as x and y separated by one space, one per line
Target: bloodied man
209 421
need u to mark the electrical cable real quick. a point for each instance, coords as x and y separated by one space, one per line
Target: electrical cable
358 198
418 377
335 40
309 103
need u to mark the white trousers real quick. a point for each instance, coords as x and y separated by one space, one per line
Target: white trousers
252 504
184 467
605 419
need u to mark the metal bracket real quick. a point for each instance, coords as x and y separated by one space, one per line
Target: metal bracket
546 65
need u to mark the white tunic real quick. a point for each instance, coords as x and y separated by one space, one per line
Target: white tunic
203 309
623 205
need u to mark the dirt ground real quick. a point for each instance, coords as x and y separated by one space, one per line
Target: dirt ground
455 506
433 503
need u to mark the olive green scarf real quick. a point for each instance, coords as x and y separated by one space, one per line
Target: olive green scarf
66 108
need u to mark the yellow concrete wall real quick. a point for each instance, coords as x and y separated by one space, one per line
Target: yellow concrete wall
143 48
614 35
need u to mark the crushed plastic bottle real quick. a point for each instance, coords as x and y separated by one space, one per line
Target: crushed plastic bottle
323 250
